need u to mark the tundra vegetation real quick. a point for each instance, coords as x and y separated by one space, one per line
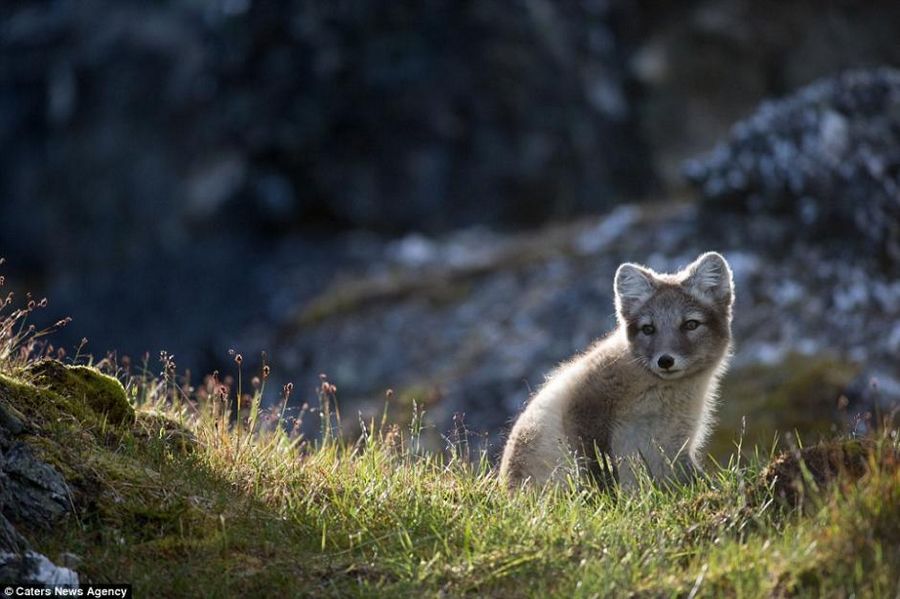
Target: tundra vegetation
199 491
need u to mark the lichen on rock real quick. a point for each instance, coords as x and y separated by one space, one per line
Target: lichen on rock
33 491
31 567
826 157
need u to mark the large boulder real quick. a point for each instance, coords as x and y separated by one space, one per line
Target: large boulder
826 157
30 567
472 322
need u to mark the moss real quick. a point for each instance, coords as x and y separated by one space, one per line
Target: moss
103 394
52 452
78 421
800 394
446 285
149 426
350 297
40 407
136 484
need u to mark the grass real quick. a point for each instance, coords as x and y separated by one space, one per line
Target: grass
195 497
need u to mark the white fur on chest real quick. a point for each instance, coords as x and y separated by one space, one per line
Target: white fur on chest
660 426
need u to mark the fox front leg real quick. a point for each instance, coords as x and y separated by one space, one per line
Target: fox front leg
686 471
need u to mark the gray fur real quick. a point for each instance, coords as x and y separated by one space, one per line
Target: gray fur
614 408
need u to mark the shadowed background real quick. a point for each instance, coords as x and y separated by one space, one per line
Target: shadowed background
433 196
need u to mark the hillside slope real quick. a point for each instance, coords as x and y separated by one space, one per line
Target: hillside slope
180 504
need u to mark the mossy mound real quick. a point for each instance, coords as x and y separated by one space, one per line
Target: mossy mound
34 408
151 426
77 421
134 481
103 394
795 476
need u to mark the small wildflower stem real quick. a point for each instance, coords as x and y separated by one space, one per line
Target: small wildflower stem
237 419
286 394
326 415
384 415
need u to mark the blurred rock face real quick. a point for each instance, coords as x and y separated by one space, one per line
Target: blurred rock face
154 153
173 170
383 115
157 119
826 158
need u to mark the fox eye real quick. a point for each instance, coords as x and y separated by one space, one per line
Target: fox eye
648 329
690 325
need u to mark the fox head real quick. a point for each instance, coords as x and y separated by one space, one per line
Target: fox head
677 324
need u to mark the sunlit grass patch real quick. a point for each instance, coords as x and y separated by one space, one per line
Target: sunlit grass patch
250 506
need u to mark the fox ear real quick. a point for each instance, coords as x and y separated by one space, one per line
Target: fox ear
709 279
634 286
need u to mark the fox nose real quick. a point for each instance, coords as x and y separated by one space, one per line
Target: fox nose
666 361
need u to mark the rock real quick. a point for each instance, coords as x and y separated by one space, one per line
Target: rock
33 568
101 393
32 491
471 322
222 127
11 420
369 117
10 539
69 560
704 65
826 158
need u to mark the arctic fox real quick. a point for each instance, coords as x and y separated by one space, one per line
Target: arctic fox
643 396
